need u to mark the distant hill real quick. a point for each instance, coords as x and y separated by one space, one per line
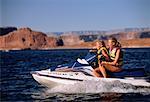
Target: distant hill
87 36
94 32
121 36
25 38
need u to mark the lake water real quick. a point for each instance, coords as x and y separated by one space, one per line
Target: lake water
17 84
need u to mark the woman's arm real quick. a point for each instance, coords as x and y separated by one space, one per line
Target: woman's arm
117 57
115 60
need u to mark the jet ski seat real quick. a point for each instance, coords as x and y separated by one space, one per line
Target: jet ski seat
134 72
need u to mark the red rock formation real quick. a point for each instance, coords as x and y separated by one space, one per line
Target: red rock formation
25 38
51 41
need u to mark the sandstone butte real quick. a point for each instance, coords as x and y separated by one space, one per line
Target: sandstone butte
25 38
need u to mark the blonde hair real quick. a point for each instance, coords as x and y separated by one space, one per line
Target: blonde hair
114 40
101 42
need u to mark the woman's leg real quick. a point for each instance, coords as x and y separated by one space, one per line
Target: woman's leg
112 68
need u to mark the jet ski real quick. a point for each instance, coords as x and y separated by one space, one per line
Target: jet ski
82 70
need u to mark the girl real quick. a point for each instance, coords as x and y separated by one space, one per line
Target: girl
102 56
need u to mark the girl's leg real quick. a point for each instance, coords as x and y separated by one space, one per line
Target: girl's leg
97 72
103 71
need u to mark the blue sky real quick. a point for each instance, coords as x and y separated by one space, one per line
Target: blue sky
75 15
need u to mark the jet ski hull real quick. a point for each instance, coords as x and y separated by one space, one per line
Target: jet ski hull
53 79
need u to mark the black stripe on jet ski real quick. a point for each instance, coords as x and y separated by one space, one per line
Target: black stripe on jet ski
57 77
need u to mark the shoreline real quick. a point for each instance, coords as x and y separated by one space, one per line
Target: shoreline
91 47
82 48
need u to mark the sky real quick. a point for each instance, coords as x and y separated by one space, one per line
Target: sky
75 15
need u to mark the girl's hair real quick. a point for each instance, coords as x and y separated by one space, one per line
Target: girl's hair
117 44
101 42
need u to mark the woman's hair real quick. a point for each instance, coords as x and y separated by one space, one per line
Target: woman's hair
117 44
101 42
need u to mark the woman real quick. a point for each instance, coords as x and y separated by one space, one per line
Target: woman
102 56
116 56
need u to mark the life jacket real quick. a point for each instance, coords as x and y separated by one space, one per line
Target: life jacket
100 55
112 54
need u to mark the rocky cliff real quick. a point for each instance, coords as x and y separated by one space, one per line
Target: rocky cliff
6 30
25 38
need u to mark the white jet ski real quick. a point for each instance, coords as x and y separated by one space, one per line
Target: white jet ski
82 70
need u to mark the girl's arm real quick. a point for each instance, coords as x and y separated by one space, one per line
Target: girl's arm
94 49
105 54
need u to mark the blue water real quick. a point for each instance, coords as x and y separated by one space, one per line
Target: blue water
17 84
